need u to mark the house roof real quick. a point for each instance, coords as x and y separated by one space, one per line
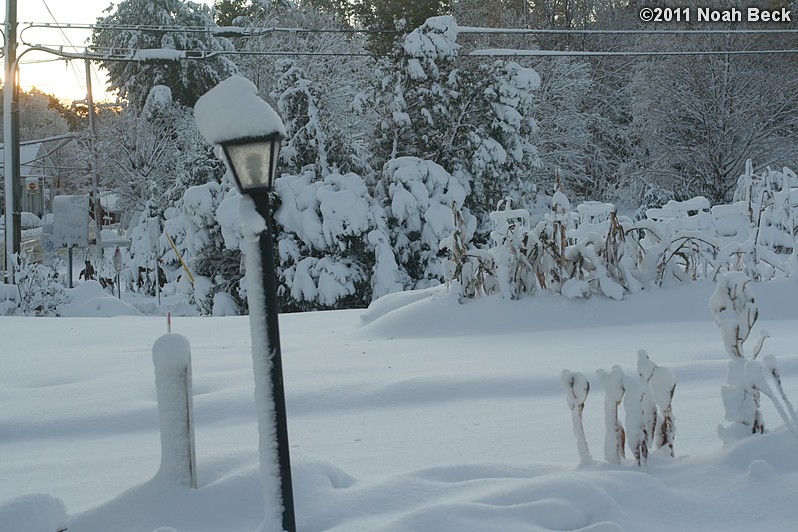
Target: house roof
33 161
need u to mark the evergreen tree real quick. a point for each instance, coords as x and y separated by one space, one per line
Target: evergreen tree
167 23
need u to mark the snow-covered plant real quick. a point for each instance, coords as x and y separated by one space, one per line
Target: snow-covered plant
473 119
736 313
40 289
615 435
499 152
636 421
648 415
577 388
660 383
770 201
469 270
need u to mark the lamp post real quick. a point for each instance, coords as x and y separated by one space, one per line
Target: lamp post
249 131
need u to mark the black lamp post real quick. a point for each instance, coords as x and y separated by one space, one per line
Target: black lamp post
253 161
249 131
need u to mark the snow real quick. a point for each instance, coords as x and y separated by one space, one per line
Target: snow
34 513
90 300
70 221
171 356
159 54
428 415
233 110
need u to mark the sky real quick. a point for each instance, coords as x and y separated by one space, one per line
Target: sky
66 80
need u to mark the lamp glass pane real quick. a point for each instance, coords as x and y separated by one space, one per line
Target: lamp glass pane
253 163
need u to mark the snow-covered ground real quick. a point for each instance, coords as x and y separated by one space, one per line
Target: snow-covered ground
419 414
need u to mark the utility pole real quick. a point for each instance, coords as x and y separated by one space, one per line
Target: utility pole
95 187
13 218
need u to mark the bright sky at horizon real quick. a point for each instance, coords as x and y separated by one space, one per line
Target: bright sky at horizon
46 72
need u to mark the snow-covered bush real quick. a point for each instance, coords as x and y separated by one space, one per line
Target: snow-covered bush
41 292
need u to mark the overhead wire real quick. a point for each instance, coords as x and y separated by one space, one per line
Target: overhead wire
117 54
64 36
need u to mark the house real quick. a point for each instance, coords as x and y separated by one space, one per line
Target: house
36 172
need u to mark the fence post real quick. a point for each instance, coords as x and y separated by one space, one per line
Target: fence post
171 355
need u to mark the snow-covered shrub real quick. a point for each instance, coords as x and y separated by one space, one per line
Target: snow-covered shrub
41 292
736 313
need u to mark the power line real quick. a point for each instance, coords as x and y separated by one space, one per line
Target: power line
254 31
136 55
510 52
647 31
63 34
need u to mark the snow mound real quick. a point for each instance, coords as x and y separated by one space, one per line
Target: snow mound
90 300
434 312
391 302
33 513
159 503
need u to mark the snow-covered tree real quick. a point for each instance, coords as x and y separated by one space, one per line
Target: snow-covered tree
298 105
325 260
419 196
699 118
149 157
161 24
474 119
387 14
564 120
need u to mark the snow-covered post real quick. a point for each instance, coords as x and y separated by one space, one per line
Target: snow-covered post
171 355
154 232
248 131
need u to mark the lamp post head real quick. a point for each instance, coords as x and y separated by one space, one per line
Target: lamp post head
232 116
253 161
